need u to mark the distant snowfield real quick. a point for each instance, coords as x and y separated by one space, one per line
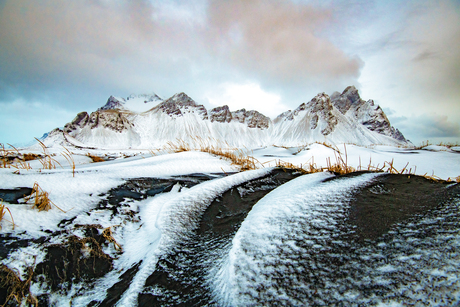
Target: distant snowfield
433 160
164 219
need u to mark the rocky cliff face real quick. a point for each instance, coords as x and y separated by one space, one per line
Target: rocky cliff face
317 111
220 115
252 119
365 112
180 104
109 119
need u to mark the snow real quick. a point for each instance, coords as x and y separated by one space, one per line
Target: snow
293 210
284 222
443 164
139 103
285 249
76 194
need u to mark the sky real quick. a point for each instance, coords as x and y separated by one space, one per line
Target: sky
58 58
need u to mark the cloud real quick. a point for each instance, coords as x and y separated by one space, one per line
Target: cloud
74 54
249 96
418 67
279 42
89 44
428 127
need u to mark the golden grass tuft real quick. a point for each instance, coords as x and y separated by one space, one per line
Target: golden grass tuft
288 165
95 158
47 161
3 210
21 164
238 157
16 289
4 163
454 179
40 198
69 157
108 235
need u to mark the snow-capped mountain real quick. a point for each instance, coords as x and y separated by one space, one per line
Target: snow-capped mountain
138 104
147 121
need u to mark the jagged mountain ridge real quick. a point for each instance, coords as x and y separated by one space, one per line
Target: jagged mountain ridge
339 118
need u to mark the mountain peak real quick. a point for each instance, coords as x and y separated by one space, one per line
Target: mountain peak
134 103
181 99
179 104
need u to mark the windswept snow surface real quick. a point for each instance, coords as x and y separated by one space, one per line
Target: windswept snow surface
294 249
169 219
78 194
265 259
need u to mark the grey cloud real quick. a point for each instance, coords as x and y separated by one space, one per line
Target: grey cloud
426 55
89 47
431 127
278 41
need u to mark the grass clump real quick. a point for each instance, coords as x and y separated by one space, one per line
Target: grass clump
95 158
68 156
17 290
22 163
3 210
238 157
108 235
40 199
47 161
5 157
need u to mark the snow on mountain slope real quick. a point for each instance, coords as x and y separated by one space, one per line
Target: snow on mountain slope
134 122
135 103
319 120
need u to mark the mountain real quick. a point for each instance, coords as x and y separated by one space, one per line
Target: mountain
139 103
147 121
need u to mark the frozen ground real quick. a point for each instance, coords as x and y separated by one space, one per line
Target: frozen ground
298 244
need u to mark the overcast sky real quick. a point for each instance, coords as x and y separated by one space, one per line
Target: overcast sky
58 58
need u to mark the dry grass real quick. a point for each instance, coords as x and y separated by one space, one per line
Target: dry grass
40 199
47 161
108 235
95 158
68 156
3 210
4 156
428 143
21 164
16 289
449 145
239 157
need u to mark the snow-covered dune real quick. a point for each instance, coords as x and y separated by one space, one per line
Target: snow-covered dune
188 228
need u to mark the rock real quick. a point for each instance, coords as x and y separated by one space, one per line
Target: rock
220 114
252 118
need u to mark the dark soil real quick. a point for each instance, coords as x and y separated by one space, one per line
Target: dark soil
179 279
115 292
76 260
391 199
13 195
141 188
180 276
